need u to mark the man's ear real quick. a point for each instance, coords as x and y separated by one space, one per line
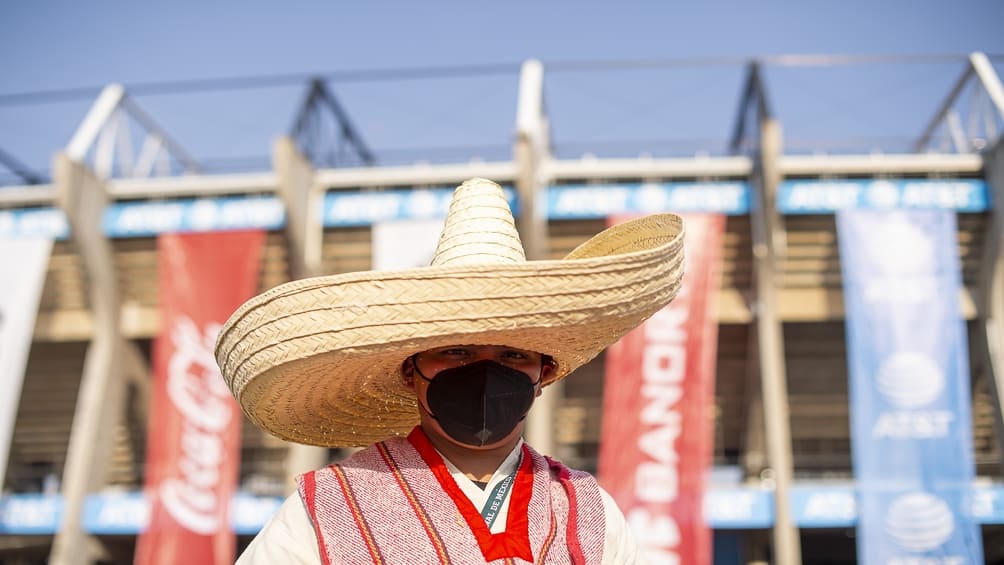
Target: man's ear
408 373
547 369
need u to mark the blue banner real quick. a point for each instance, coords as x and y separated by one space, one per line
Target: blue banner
909 387
828 196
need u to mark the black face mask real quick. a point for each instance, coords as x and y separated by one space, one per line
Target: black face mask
481 403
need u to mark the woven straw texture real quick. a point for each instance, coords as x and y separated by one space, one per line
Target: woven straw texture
318 361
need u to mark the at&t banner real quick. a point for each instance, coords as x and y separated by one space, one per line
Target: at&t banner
657 437
909 388
193 442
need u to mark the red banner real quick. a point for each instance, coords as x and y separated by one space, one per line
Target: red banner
658 422
193 440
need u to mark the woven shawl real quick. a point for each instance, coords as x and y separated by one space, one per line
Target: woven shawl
395 502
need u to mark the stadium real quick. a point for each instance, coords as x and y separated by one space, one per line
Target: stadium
781 426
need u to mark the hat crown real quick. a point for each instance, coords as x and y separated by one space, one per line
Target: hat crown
479 228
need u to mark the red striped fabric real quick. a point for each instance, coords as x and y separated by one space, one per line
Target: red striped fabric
401 497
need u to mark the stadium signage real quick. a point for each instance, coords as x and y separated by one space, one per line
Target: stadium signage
725 508
828 196
346 209
655 449
30 514
738 508
657 480
34 222
136 219
193 437
583 201
909 394
563 202
198 393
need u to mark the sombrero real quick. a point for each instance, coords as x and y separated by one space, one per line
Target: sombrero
318 360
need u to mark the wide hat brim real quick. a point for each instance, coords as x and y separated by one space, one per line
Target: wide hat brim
318 361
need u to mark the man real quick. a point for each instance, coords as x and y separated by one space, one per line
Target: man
461 348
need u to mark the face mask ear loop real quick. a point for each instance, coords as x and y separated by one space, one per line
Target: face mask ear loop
414 363
540 377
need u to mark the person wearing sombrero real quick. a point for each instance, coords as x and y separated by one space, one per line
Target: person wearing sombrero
434 369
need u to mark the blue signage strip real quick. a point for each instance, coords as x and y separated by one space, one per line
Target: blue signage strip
824 506
147 218
30 514
827 197
563 202
732 508
128 513
581 201
48 223
738 508
344 209
150 217
909 387
116 514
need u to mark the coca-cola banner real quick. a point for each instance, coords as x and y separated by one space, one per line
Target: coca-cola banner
20 289
658 396
193 441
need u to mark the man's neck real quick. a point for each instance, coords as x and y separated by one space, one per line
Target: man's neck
476 464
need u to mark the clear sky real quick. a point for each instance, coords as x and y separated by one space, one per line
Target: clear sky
56 45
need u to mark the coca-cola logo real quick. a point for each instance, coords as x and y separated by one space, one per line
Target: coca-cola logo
196 390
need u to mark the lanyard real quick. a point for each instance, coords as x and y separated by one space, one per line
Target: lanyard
497 496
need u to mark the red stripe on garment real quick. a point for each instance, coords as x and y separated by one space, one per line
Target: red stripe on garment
572 531
553 531
423 517
364 529
310 493
515 540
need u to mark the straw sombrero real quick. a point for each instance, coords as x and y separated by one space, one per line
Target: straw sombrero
318 360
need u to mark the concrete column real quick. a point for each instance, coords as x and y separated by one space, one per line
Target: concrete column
990 296
530 151
304 236
303 207
82 197
774 387
754 458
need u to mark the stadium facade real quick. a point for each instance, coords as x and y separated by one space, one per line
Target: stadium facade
784 486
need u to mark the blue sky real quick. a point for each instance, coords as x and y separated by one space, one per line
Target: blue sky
50 45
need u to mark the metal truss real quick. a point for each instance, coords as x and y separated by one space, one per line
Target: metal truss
21 170
971 125
104 141
323 132
753 107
